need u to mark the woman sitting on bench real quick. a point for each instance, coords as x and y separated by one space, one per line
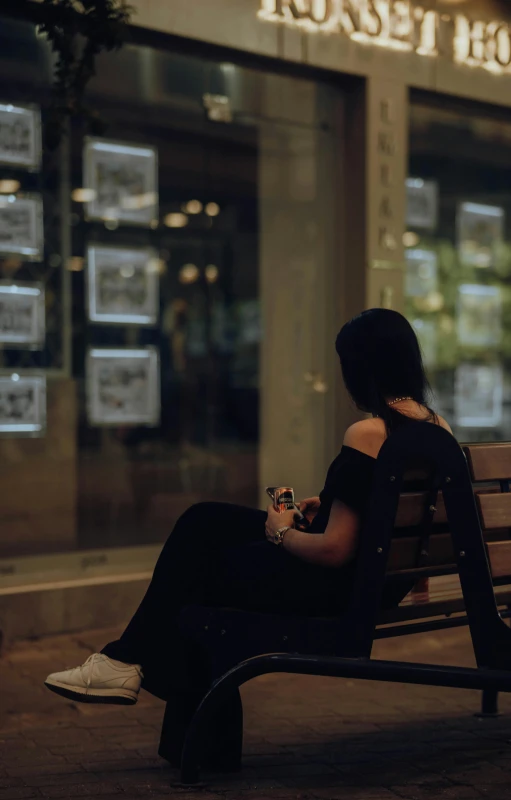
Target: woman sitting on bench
225 555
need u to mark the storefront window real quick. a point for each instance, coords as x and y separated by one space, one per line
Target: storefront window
458 257
145 323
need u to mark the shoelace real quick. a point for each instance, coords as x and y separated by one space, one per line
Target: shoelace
91 659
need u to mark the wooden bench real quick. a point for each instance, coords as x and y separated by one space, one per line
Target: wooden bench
448 528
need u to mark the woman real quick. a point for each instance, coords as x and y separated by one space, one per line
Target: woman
226 555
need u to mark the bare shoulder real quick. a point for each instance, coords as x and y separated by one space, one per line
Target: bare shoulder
443 423
367 435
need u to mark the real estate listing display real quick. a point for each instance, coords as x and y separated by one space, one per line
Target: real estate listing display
123 386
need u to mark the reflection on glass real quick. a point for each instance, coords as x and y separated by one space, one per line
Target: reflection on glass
426 331
123 285
421 272
421 203
467 155
480 231
123 387
22 405
479 315
478 396
196 222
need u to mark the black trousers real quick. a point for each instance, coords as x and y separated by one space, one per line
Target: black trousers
216 555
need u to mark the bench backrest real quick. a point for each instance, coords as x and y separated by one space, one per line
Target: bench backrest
490 471
432 532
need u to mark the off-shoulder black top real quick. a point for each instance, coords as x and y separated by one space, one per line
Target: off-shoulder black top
349 479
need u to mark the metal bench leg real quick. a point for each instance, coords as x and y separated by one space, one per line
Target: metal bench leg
222 740
490 703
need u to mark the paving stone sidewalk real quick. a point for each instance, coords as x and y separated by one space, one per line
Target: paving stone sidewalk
306 738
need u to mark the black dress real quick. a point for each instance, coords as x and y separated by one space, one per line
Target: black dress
218 555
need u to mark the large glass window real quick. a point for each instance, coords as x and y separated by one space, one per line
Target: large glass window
458 256
145 261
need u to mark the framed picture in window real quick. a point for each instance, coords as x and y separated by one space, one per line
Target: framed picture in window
22 405
123 285
421 272
480 231
21 226
421 204
22 314
20 136
479 315
478 396
123 180
123 386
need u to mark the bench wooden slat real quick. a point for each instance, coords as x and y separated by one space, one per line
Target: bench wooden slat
494 509
489 462
411 509
403 552
499 554
403 555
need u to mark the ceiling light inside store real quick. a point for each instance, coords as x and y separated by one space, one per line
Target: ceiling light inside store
434 301
411 239
212 209
138 201
9 186
188 273
211 273
193 207
156 266
177 220
127 270
83 195
111 224
75 264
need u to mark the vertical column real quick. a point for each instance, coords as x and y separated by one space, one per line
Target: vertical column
387 164
297 246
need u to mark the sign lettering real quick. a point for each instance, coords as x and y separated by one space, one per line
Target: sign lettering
401 25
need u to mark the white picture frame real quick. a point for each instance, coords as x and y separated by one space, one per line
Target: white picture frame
21 226
480 230
123 179
478 396
123 285
22 314
421 204
22 405
421 272
20 136
123 386
479 315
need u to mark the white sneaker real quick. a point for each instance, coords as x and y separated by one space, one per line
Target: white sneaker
99 680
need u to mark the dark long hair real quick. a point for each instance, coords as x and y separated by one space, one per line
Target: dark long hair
381 360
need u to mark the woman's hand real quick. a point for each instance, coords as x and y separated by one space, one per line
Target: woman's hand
276 520
310 507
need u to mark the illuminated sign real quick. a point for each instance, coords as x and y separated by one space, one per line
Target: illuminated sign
400 25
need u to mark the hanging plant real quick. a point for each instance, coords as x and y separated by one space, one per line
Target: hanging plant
78 31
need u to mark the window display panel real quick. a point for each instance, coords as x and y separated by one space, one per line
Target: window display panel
130 305
20 135
458 256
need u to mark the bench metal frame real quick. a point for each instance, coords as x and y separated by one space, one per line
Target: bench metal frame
243 645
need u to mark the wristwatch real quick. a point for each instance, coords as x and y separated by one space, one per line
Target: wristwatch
279 535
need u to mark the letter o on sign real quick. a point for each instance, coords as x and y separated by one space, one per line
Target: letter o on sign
320 11
503 46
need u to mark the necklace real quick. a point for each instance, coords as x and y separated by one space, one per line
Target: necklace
398 400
